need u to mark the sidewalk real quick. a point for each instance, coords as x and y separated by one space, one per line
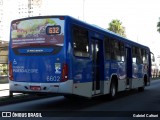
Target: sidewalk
4 86
4 89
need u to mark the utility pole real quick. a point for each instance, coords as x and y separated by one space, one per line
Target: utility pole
29 8
83 8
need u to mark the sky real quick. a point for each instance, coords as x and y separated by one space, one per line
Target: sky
139 17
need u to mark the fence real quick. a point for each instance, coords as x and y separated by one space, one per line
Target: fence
155 73
3 66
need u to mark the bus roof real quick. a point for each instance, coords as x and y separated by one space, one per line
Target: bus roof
92 27
108 32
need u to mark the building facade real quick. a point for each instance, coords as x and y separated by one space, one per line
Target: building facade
1 19
15 9
3 59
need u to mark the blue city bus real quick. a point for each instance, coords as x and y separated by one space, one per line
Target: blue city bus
65 56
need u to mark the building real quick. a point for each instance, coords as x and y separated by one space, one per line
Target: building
3 59
29 8
22 8
1 19
35 8
15 9
3 52
9 10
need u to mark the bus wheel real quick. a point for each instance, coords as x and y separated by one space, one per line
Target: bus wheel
71 97
141 89
10 94
113 90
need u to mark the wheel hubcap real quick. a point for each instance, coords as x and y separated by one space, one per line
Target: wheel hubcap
113 90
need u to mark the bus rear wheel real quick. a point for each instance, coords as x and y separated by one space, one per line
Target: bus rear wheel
113 90
10 94
141 89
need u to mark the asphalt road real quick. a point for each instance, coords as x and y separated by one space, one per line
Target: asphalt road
125 106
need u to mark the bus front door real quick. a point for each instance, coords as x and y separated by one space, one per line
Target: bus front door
96 47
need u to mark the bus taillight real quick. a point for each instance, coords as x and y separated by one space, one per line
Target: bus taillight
10 71
64 73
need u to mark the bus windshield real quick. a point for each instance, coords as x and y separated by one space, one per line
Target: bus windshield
37 32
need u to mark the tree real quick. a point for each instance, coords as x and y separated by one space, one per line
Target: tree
116 26
158 26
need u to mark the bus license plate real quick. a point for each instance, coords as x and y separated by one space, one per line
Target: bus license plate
35 88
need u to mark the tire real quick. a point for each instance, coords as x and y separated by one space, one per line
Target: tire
75 97
113 91
68 96
71 97
10 94
141 89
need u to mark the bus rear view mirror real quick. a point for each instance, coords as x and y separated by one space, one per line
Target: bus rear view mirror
152 57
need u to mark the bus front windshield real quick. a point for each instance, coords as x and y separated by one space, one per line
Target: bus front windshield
37 32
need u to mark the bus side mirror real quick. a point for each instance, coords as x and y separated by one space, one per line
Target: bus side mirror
152 57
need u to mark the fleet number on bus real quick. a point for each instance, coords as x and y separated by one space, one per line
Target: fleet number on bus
51 30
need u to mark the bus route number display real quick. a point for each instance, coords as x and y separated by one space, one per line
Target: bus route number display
52 30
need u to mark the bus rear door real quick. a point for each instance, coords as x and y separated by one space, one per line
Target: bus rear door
97 58
128 65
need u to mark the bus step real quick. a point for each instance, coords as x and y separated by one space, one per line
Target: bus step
96 95
127 87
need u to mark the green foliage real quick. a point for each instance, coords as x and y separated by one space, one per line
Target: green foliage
3 69
116 26
51 21
158 26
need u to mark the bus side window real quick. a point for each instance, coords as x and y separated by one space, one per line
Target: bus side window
121 51
134 58
113 50
144 55
136 55
139 56
107 49
80 42
118 53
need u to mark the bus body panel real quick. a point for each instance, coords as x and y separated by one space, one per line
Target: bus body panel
29 87
31 69
37 53
45 65
82 71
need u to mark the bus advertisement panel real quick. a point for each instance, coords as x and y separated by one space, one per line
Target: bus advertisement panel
35 32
